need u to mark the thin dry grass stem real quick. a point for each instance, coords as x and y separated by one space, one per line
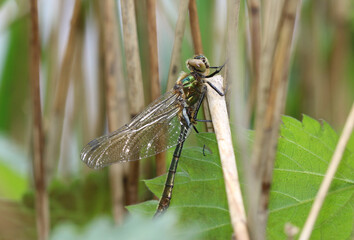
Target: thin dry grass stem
80 108
61 92
339 95
99 127
195 30
221 125
116 104
73 111
233 11
42 208
332 168
265 147
152 40
255 30
233 79
154 72
175 65
52 68
318 90
272 10
314 88
136 93
198 49
131 47
270 21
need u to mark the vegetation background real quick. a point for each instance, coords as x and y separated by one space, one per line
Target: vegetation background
73 98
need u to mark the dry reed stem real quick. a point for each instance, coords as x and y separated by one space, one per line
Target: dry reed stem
73 111
271 22
233 11
339 99
233 79
272 10
265 147
136 93
42 208
175 65
195 30
99 127
198 49
332 168
221 125
255 30
61 92
131 47
116 104
319 91
152 40
315 92
279 83
154 72
52 68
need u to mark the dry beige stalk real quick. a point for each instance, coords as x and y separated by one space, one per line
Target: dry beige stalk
136 93
254 12
154 72
116 105
221 125
41 201
195 30
175 65
272 97
198 49
61 91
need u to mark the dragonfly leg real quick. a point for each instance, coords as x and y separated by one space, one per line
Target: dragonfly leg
215 88
204 149
203 120
199 104
218 69
212 85
195 129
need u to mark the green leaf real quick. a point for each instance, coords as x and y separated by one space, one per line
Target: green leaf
199 193
304 151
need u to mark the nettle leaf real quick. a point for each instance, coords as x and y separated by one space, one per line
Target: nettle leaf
304 152
199 192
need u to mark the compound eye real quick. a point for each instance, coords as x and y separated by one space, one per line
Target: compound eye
196 65
199 57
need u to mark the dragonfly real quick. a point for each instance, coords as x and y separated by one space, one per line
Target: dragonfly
164 123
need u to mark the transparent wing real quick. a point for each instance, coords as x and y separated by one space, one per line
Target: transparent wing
153 131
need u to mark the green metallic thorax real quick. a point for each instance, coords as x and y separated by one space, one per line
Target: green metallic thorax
192 85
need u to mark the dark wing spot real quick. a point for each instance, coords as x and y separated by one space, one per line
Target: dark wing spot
94 144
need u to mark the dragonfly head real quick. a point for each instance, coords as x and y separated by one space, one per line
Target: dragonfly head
198 64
